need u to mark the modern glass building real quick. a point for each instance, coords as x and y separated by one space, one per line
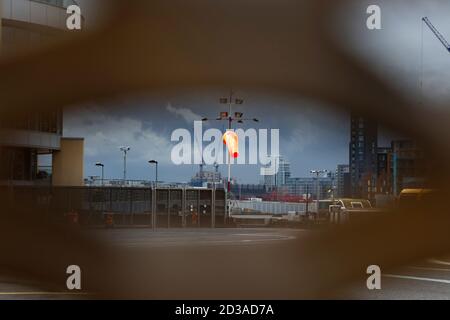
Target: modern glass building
307 187
281 178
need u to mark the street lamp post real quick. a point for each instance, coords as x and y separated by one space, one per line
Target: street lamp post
307 200
99 164
317 173
156 171
125 151
227 116
154 193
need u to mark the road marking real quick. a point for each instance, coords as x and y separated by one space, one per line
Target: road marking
416 278
430 269
445 263
278 237
199 242
37 293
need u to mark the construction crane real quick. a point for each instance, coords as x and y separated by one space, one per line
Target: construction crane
436 33
441 39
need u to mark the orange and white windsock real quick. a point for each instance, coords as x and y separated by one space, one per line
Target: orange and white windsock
230 138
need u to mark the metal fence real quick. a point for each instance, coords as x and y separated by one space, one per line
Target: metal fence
274 207
162 208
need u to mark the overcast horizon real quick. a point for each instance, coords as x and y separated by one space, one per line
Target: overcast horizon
312 136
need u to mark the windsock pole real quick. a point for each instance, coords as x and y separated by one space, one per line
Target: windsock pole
230 119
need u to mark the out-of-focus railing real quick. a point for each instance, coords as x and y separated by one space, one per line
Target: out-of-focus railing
50 13
58 3
98 182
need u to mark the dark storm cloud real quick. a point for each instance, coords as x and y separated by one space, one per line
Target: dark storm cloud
310 135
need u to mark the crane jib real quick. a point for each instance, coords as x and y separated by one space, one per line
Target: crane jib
436 33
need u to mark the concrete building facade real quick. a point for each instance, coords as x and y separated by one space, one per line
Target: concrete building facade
68 163
28 25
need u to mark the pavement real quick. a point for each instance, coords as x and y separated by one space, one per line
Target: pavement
428 279
21 289
423 280
145 238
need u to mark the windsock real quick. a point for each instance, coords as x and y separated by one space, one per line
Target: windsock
230 138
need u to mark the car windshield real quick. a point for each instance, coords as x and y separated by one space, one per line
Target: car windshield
357 203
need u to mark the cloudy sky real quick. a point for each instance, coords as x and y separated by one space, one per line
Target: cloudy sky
395 52
311 135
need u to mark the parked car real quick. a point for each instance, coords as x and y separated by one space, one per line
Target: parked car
345 209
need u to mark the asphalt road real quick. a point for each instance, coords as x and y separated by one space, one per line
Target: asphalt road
143 238
422 280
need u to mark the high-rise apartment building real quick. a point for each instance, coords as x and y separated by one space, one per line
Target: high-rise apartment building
384 171
363 157
343 181
408 166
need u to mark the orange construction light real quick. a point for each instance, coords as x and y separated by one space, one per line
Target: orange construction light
230 138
